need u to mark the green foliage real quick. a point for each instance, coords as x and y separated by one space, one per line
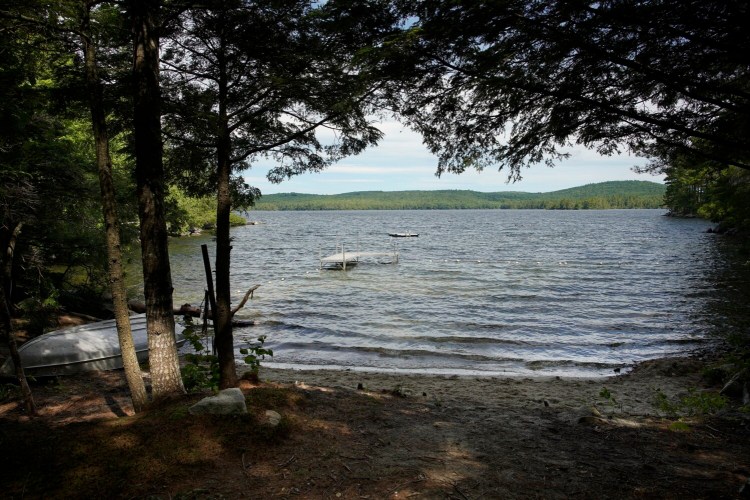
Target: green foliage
695 403
609 398
201 370
256 353
605 195
679 426
39 311
728 199
9 392
664 405
702 403
186 213
606 394
701 189
47 161
511 84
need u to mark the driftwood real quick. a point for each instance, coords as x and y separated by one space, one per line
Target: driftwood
196 312
183 310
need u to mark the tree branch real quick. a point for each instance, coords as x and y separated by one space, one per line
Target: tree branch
248 295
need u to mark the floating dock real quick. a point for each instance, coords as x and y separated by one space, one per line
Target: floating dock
343 259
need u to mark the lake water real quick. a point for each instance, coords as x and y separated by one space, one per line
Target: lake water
575 293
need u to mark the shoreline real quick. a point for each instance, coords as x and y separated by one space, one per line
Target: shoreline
634 392
460 372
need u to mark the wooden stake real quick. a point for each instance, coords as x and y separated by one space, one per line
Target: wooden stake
209 277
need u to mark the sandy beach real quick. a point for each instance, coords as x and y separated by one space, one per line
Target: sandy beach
504 396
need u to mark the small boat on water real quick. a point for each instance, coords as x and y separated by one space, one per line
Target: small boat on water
94 346
403 235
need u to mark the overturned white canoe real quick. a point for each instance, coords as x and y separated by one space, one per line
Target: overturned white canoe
94 346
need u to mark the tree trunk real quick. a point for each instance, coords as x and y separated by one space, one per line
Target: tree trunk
223 316
224 339
6 324
157 277
112 226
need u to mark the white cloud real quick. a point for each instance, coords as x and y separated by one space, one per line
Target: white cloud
401 162
373 170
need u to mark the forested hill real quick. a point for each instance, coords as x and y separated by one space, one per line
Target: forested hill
604 195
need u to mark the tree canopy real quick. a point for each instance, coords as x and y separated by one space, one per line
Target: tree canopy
270 76
512 83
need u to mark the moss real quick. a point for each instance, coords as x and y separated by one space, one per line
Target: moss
679 426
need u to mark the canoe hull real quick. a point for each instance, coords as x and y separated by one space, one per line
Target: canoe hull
82 348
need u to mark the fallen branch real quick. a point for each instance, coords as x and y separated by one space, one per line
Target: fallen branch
195 312
248 294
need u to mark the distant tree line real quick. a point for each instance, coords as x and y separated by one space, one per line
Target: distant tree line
601 196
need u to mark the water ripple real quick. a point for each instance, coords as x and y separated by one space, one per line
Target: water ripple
479 291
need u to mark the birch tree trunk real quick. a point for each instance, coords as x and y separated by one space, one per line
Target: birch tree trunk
157 277
112 226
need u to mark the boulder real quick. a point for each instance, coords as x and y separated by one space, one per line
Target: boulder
226 402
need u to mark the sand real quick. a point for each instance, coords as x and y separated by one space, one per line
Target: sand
633 393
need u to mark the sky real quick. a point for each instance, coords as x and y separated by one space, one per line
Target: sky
400 162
